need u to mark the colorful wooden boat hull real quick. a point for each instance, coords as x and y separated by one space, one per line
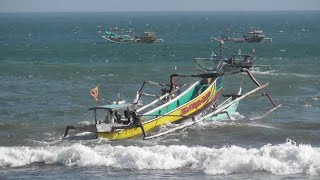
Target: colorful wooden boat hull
173 111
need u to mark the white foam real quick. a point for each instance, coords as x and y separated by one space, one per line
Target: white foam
286 158
287 74
269 72
305 75
260 125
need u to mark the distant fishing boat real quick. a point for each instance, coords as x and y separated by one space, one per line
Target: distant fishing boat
254 36
116 35
147 37
250 37
232 63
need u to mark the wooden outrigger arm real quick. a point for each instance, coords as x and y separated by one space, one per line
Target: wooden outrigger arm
265 94
258 84
217 111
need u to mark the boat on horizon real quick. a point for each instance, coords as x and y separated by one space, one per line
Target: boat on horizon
147 37
250 37
116 35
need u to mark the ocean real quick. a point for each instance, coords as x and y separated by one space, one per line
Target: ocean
50 61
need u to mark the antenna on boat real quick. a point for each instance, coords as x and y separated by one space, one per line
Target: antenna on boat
119 95
119 100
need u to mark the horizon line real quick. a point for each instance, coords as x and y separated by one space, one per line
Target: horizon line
157 11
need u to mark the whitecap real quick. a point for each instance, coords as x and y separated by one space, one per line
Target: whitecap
281 159
107 75
261 125
307 105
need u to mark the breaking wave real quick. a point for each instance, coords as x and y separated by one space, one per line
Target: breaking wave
286 158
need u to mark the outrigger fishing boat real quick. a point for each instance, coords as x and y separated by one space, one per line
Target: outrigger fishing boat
249 37
234 62
147 37
128 120
116 35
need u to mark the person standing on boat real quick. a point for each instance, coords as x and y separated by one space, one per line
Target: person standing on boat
135 118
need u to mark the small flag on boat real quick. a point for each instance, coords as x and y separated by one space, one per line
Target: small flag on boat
95 93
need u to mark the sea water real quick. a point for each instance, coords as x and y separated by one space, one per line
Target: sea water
50 61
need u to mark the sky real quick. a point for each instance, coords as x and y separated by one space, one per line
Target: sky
155 5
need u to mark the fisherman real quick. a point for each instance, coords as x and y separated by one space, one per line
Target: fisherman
117 116
127 116
135 118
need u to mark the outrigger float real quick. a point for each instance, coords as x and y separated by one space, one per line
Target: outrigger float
198 102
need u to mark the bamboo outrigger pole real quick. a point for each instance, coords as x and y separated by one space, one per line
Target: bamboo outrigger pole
265 93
